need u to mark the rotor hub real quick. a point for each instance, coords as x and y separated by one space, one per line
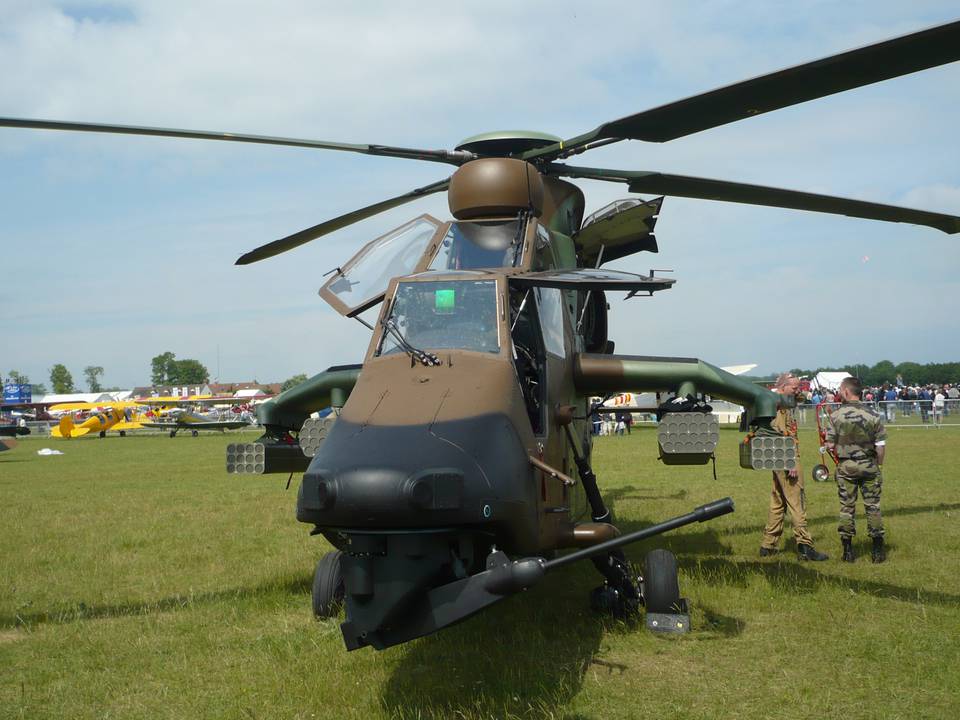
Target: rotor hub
503 143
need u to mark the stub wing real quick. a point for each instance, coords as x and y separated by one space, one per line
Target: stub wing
597 374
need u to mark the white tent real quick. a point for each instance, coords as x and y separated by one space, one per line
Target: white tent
248 393
829 380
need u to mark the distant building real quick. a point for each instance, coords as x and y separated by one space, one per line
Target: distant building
171 391
245 389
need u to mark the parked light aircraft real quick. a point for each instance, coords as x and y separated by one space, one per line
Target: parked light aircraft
102 417
175 414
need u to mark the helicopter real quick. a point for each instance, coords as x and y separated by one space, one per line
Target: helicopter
457 461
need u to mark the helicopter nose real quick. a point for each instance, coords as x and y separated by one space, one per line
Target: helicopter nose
376 490
419 475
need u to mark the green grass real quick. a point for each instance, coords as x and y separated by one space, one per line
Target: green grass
139 580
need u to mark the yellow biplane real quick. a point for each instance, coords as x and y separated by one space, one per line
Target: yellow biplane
83 418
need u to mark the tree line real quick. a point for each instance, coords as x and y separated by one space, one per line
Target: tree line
887 372
165 369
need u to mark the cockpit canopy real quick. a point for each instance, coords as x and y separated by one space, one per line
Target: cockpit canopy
420 245
480 244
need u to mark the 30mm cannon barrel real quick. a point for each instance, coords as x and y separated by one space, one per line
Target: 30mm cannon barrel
700 514
518 575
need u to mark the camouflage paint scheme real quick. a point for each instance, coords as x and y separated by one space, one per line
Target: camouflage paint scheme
854 431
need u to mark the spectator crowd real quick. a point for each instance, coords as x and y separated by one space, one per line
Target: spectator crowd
930 402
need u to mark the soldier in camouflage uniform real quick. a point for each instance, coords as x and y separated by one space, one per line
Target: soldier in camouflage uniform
857 434
787 492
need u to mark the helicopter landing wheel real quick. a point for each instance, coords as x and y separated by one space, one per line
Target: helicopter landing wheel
619 596
328 588
194 433
661 589
821 473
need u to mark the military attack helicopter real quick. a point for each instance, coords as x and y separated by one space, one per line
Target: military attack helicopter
457 461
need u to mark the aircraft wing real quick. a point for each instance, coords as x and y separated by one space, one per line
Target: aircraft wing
212 424
739 369
158 424
190 400
71 406
180 424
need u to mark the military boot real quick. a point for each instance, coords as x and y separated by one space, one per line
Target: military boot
878 554
848 555
807 552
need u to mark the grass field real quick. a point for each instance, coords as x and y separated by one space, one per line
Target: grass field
139 580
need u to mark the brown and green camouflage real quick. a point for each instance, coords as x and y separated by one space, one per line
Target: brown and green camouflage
854 430
869 489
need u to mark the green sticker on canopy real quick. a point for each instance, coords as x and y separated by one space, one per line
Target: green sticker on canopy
444 301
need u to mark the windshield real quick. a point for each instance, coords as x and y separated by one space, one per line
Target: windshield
475 245
444 315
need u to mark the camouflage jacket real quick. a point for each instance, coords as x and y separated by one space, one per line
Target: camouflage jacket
854 430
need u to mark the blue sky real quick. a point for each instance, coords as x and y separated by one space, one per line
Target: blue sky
116 249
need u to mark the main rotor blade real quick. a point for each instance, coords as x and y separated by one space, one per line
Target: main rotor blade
707 189
453 157
312 233
852 69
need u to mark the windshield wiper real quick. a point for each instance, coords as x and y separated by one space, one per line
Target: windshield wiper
522 218
424 356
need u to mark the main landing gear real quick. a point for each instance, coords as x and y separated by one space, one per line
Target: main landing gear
658 590
624 590
328 588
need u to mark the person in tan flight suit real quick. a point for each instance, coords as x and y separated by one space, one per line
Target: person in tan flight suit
787 493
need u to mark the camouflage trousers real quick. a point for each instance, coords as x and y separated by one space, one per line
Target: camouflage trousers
786 494
861 477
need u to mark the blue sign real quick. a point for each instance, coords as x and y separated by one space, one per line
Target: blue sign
16 393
